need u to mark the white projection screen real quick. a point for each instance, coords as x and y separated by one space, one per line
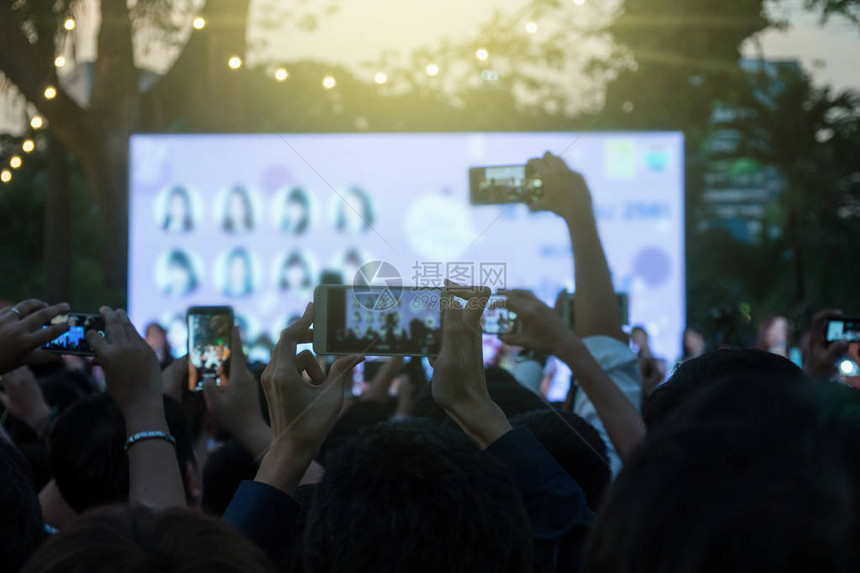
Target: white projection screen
253 221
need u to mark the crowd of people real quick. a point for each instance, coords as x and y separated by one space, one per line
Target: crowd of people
739 460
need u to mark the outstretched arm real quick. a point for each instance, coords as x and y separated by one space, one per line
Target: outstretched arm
566 194
133 378
543 330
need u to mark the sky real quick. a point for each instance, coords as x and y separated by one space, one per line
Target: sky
361 29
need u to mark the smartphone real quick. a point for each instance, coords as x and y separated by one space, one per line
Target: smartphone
498 319
501 184
842 330
567 310
209 331
378 321
74 340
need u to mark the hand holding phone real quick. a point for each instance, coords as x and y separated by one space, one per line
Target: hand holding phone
498 318
378 321
74 340
502 184
21 330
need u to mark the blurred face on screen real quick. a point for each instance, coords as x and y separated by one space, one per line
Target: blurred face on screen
176 208
296 275
238 275
179 277
238 212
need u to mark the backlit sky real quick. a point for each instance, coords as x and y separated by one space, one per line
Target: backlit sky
361 29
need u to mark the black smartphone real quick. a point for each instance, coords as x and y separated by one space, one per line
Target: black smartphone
501 184
567 310
498 318
74 340
842 330
378 321
210 329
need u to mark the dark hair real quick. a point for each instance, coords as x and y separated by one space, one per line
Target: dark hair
361 414
298 196
241 254
711 368
295 259
21 527
87 457
753 475
181 258
225 469
140 540
182 193
411 496
248 222
511 396
364 210
576 446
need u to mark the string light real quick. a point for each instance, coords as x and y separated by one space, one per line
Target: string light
432 69
579 2
199 23
329 82
69 24
15 161
59 61
281 74
531 27
482 54
5 176
37 122
380 77
50 92
28 145
235 62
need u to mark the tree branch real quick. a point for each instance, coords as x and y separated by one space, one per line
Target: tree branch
20 62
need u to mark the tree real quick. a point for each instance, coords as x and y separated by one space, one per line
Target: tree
32 30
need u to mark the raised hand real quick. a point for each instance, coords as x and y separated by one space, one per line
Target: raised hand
133 377
563 191
459 385
21 330
821 358
303 405
542 328
235 407
132 371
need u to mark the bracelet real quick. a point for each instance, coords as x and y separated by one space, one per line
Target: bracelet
148 436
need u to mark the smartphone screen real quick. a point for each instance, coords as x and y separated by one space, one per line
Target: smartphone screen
209 332
74 340
497 318
378 321
843 330
501 184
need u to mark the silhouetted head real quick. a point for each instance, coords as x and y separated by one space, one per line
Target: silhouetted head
411 496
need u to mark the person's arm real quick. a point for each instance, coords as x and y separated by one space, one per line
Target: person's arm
565 193
302 413
133 377
556 505
235 408
459 386
21 331
543 330
378 388
821 358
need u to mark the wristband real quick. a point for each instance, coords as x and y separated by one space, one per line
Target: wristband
148 436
